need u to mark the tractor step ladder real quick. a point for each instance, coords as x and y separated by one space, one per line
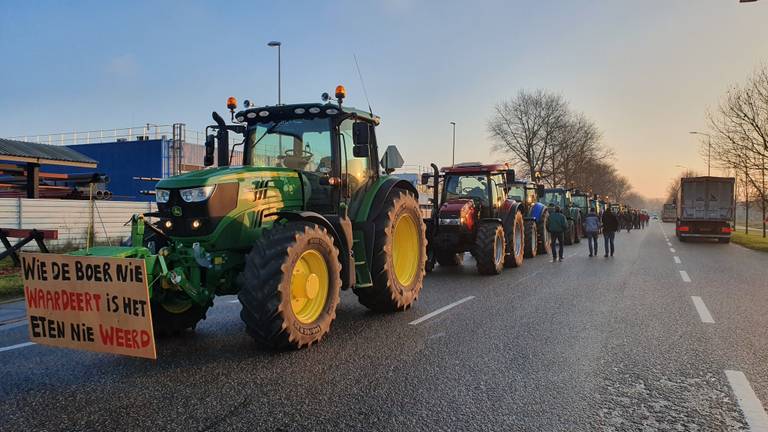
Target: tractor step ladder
362 272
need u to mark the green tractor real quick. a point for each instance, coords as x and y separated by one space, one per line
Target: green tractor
306 215
563 198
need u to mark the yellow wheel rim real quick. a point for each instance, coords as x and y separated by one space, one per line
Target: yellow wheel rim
176 305
309 286
405 249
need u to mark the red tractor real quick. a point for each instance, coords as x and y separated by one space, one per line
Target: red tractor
471 213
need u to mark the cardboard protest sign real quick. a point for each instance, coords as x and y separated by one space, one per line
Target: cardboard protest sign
91 303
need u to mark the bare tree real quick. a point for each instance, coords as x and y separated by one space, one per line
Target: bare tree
525 126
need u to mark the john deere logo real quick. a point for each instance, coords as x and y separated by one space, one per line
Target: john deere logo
176 211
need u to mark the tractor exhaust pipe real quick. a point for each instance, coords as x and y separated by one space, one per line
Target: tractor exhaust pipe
222 136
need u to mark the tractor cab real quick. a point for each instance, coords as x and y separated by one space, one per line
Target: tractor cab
563 198
485 186
582 201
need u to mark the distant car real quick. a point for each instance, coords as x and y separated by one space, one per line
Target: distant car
654 217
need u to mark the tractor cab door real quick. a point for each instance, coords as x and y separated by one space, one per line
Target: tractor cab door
497 186
357 172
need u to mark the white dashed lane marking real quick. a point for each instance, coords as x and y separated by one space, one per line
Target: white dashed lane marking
684 275
677 260
701 308
441 310
672 250
750 405
17 346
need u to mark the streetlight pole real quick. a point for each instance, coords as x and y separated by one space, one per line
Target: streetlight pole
277 44
709 148
453 152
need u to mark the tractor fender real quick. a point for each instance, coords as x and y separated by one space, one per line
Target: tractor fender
383 192
342 237
537 211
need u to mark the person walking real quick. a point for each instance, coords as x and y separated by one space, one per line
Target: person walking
592 228
557 225
610 226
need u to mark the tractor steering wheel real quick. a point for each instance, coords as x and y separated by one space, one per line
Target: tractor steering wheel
304 154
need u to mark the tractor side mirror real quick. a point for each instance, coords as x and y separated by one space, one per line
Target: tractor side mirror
510 177
360 151
424 179
361 138
210 147
361 134
540 191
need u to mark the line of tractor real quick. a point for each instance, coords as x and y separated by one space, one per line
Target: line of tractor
314 210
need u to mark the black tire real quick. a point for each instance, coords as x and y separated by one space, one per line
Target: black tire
267 297
545 238
531 239
489 248
514 238
569 234
578 232
174 316
389 293
449 259
724 240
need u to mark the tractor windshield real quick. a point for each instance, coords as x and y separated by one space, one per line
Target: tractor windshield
517 193
300 144
467 186
555 198
580 201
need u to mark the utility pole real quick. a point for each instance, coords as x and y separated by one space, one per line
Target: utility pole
453 152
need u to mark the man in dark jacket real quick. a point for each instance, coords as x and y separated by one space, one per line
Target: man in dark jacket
610 226
592 228
557 225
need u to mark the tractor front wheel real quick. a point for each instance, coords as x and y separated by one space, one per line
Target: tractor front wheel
290 286
531 239
515 241
569 234
175 313
489 248
399 255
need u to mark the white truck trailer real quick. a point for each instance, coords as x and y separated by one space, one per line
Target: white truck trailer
705 208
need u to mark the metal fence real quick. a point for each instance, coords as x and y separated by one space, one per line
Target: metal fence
136 133
72 218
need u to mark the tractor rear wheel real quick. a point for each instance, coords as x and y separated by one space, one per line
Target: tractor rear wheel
545 239
449 259
175 313
531 239
290 286
399 256
578 232
489 248
515 241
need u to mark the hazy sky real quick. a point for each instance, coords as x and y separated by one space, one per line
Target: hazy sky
644 70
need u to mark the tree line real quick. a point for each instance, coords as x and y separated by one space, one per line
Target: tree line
739 137
548 141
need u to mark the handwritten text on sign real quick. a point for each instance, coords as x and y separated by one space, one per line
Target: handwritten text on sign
91 303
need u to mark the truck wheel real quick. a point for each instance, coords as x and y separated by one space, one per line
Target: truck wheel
531 239
545 239
489 248
399 256
175 313
724 240
448 259
290 286
515 242
569 234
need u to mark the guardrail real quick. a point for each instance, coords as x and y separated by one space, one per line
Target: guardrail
137 133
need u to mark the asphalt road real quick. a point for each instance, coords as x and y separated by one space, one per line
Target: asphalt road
587 344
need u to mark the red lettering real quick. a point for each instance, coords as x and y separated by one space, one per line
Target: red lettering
56 300
79 301
97 302
48 299
145 338
87 302
107 335
31 300
119 337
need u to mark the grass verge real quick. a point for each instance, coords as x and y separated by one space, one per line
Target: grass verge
11 285
752 240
